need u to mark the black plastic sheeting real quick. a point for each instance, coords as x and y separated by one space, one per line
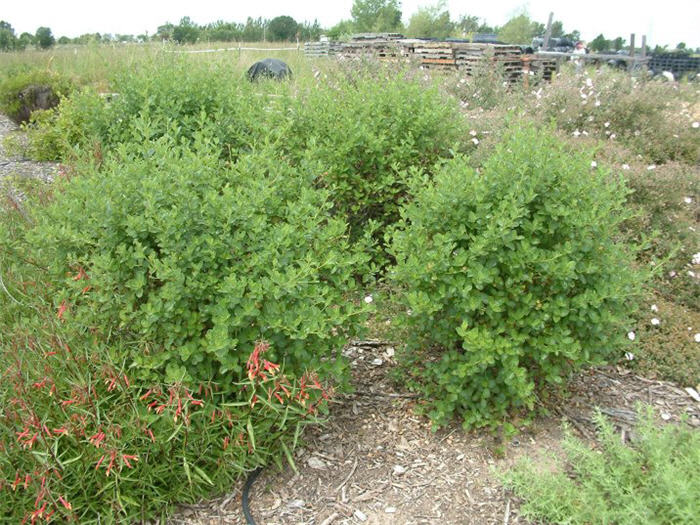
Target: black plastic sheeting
269 68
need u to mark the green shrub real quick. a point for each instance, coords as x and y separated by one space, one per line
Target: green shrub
199 260
511 274
18 78
653 480
166 97
365 127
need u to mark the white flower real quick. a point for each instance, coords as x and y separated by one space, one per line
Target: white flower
576 133
472 133
654 308
594 164
585 133
651 167
625 166
655 321
607 124
612 136
697 337
696 125
597 103
631 336
696 258
589 82
475 141
691 273
687 200
672 273
368 299
629 356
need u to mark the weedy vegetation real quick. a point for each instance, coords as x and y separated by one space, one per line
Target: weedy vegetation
173 306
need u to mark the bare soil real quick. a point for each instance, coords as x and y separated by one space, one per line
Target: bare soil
377 462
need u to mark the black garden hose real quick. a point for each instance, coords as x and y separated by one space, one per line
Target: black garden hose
246 488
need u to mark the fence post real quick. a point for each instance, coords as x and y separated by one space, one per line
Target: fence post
548 32
630 64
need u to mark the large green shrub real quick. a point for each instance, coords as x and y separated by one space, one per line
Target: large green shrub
199 260
511 274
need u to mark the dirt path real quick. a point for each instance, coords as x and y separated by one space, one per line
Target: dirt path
377 462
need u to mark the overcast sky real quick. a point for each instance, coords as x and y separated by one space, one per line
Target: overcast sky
667 23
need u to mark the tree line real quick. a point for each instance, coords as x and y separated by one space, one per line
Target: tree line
366 16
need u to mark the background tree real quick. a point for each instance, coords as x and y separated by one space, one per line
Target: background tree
43 38
680 45
24 40
310 32
341 29
186 32
557 29
376 15
254 30
433 21
282 28
618 43
520 30
8 41
600 43
164 32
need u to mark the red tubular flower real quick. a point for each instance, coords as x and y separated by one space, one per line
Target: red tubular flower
127 457
62 309
65 503
99 462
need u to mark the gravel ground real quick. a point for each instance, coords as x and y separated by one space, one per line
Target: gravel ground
13 163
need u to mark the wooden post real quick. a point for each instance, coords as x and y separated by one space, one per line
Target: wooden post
630 64
548 32
644 46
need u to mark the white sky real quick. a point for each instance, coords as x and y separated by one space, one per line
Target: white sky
668 23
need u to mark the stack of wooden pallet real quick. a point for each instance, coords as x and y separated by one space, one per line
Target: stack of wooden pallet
321 49
474 57
383 48
539 67
433 55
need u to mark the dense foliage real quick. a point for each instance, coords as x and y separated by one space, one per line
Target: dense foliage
511 274
367 128
202 260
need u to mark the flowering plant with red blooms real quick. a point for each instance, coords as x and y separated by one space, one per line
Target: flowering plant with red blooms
83 439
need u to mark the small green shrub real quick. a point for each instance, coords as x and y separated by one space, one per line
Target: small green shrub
511 275
366 127
653 480
199 260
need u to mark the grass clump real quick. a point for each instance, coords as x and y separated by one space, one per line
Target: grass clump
653 480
